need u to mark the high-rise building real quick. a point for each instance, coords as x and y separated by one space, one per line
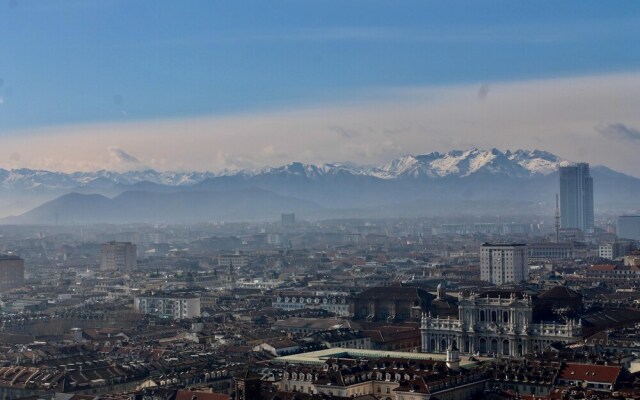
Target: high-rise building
629 227
120 256
576 197
168 305
614 250
288 219
11 272
504 263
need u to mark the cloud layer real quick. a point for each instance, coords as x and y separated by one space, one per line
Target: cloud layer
619 131
589 119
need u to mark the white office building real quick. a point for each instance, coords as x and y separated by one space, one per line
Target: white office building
504 263
169 305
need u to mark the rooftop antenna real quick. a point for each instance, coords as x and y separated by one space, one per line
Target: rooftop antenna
557 220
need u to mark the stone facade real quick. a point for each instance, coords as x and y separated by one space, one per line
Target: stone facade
337 304
494 325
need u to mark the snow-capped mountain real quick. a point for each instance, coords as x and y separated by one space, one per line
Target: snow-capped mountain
28 179
434 183
456 163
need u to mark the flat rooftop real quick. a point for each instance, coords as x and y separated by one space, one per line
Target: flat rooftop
319 357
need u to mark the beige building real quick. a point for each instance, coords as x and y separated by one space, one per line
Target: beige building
233 260
118 256
11 272
504 263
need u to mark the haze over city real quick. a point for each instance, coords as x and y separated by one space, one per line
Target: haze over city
329 200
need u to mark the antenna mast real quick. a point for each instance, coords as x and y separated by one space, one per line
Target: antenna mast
557 220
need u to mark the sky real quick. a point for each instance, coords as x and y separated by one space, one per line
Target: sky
214 85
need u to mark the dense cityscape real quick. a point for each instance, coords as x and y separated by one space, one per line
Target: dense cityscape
415 308
319 200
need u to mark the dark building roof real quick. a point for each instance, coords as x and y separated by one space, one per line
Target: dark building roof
395 293
559 293
608 318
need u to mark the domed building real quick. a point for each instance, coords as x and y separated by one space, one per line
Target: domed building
557 304
401 303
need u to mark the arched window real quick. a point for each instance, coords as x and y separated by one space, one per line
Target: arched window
482 315
494 316
505 347
505 316
494 346
443 345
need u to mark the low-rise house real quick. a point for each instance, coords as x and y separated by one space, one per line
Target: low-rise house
600 377
278 347
343 338
311 325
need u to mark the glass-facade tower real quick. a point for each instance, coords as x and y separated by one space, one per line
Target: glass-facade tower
576 197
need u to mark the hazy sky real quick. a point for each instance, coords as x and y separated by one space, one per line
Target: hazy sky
208 85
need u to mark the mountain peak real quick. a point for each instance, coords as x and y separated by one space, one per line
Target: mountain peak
432 165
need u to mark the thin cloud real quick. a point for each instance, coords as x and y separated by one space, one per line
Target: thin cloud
344 132
122 156
558 115
483 91
619 131
271 152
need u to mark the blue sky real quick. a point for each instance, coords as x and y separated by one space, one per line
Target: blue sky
70 62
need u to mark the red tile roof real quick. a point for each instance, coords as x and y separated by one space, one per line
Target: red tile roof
590 372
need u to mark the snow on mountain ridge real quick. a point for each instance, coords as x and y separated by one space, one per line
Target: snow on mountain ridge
434 165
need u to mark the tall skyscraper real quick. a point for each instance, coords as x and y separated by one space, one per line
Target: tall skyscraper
504 263
576 197
119 256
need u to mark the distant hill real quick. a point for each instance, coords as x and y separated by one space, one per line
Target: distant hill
480 181
138 206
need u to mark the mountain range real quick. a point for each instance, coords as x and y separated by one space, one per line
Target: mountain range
475 181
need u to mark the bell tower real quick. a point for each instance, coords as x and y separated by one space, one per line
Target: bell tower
453 358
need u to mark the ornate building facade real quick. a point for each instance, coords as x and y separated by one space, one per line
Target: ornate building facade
337 304
495 323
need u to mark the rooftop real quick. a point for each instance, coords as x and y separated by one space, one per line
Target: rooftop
319 357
